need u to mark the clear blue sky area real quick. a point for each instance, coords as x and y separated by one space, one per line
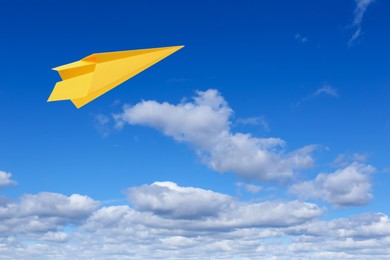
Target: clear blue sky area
306 72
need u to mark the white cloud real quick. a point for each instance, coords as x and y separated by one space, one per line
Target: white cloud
259 120
5 179
327 90
44 212
191 122
216 210
359 235
48 204
349 186
360 157
367 225
166 198
157 228
55 236
249 187
355 36
360 9
205 125
116 232
342 160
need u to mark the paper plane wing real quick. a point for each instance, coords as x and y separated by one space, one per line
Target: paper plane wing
94 75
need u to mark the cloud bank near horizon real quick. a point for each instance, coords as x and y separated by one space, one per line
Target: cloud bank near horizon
163 220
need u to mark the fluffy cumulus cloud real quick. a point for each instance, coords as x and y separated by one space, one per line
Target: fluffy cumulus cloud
205 125
157 226
361 236
216 210
349 186
164 220
166 198
43 212
6 179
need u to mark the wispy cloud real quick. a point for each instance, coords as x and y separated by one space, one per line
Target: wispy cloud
325 90
342 160
300 38
249 187
102 124
258 120
360 9
178 80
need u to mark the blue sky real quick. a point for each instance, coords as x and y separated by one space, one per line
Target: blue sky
266 136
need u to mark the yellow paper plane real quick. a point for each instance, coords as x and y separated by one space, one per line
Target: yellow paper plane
94 75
